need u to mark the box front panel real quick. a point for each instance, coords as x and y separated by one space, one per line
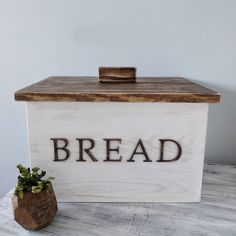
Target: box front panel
120 152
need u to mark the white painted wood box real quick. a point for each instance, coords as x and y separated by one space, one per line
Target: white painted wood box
141 141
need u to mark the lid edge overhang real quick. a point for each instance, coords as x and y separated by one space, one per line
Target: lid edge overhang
119 97
147 89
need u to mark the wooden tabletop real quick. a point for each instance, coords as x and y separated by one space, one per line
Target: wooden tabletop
215 215
145 89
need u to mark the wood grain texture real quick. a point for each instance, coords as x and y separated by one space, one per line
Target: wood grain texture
146 89
178 181
35 211
117 74
214 215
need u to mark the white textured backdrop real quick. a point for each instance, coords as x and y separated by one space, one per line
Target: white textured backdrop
39 38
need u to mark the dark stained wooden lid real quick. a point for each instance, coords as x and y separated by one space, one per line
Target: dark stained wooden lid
146 89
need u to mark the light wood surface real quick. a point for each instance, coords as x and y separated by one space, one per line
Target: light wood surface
139 181
215 215
146 89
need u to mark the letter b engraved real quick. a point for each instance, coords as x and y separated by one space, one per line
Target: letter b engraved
62 148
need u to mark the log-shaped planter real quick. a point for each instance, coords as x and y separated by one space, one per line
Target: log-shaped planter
35 211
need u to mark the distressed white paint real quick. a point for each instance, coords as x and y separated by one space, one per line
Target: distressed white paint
178 181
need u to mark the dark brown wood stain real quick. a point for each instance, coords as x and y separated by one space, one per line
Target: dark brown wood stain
117 74
146 89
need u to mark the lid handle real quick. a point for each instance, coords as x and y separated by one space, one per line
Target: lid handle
117 74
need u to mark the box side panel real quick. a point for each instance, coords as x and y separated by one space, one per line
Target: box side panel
177 181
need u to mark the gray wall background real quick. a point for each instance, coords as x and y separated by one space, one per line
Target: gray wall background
40 38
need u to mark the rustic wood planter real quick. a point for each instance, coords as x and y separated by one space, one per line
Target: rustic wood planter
35 211
141 141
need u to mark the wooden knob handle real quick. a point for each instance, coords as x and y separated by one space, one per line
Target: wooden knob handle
117 74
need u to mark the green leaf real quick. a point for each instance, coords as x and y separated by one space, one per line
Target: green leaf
50 178
30 180
35 169
21 194
35 189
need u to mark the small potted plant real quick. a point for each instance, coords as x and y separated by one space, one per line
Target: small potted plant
34 201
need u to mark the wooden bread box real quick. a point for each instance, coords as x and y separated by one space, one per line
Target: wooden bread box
120 139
